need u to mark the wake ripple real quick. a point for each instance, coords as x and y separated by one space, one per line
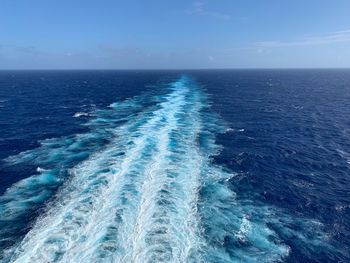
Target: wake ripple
151 194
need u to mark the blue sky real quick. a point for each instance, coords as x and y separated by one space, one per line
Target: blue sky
112 34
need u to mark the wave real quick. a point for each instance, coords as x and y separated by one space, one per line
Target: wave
141 186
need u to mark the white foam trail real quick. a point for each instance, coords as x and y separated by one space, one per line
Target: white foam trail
166 228
112 208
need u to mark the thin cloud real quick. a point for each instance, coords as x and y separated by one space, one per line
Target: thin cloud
331 38
198 8
28 50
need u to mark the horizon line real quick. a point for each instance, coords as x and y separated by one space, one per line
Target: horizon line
175 69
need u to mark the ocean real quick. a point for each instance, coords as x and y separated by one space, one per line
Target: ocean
175 166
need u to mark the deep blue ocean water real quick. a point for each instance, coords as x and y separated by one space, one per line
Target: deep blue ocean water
175 166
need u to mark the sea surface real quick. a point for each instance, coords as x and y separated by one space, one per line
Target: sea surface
175 166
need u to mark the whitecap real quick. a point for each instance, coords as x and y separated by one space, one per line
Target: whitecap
80 114
40 170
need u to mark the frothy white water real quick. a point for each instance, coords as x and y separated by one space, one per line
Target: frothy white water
135 201
80 114
167 223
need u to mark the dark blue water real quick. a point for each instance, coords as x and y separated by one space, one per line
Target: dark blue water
166 166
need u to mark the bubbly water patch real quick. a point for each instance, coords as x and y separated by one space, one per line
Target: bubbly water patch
54 158
150 194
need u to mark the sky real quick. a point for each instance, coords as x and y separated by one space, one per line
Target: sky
174 34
